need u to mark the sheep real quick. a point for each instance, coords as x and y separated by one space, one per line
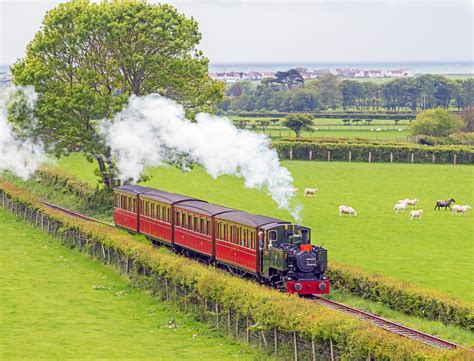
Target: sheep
411 202
458 209
347 210
416 214
310 191
400 207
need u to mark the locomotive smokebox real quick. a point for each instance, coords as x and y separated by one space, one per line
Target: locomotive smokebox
305 261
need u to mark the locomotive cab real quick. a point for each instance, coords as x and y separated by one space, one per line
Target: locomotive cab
291 262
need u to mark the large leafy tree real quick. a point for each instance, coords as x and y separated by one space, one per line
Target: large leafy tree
88 59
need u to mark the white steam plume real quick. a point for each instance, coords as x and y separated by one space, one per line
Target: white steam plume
20 156
152 130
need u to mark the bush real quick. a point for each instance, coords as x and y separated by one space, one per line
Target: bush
270 309
436 122
401 153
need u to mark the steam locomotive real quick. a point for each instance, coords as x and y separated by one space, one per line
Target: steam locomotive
270 250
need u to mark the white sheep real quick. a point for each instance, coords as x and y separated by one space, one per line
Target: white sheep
416 214
458 209
400 207
347 210
310 191
411 202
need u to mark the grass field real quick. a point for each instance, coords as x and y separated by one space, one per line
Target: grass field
59 304
393 134
435 252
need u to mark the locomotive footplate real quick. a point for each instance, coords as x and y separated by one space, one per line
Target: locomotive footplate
303 287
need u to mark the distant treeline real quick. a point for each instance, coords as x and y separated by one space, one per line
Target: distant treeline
288 92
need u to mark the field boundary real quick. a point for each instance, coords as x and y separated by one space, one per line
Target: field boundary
237 307
371 153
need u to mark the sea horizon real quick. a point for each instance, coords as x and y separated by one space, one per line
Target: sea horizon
447 68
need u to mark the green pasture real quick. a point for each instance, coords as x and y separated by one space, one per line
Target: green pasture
392 135
435 252
57 304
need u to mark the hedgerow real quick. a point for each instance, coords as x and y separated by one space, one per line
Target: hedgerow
269 309
402 296
404 153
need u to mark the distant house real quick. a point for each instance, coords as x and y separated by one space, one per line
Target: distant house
253 75
399 73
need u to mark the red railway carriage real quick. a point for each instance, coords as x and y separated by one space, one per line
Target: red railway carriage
237 239
156 214
126 206
194 226
272 250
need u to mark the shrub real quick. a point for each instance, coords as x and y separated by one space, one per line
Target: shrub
400 153
436 122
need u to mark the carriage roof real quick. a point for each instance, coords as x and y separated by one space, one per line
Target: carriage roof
203 207
248 219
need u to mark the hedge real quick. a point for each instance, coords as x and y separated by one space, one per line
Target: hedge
310 150
57 178
266 308
402 296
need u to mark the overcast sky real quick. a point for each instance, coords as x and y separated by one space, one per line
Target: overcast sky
277 31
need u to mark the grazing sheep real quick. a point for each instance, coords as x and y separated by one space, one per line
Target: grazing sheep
458 209
416 214
347 210
310 191
400 207
411 202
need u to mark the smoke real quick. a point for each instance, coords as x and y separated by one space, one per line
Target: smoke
153 130
18 155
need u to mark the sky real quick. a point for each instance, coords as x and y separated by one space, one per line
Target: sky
276 31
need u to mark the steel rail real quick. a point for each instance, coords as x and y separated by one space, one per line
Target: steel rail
390 325
367 316
76 214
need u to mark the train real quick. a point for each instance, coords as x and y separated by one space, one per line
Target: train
273 251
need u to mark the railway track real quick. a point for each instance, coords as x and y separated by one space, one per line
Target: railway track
390 325
76 214
367 316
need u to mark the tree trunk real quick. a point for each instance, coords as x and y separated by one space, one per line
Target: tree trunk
298 133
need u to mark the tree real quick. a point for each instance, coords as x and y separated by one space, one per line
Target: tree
263 123
346 121
298 122
356 121
468 116
328 86
436 122
274 121
88 59
239 88
289 79
368 121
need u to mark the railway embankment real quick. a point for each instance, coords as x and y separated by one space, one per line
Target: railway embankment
279 323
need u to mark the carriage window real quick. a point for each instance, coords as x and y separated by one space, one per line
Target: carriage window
252 240
225 232
201 226
178 218
183 220
134 205
196 224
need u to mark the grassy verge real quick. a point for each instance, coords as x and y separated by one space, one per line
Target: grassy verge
58 304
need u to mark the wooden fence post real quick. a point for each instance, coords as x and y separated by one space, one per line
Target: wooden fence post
275 336
350 156
412 157
332 350
294 342
370 157
313 350
391 157
329 155
455 156
310 154
291 153
433 158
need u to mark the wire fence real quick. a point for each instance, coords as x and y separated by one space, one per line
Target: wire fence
287 345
